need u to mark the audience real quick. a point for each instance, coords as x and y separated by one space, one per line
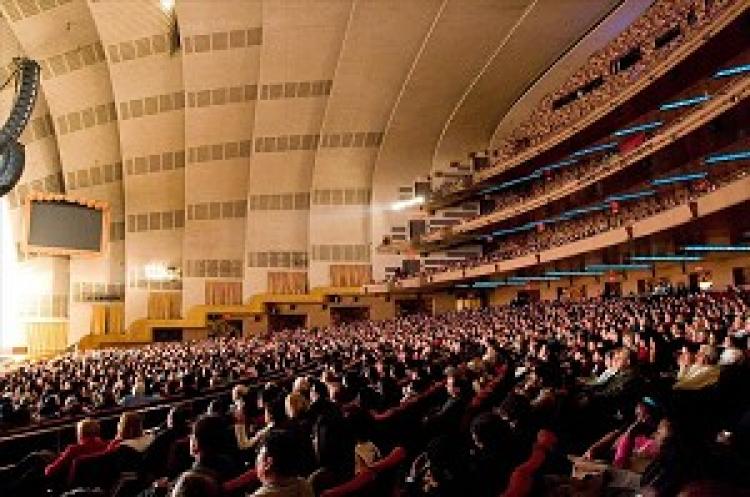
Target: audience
548 120
553 378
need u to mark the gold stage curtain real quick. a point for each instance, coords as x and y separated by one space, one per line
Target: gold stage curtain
46 339
223 292
350 275
98 319
115 318
107 318
287 283
164 305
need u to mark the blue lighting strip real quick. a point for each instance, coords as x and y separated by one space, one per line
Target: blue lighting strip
637 129
666 258
534 278
678 179
687 102
732 71
583 210
509 231
510 183
558 165
492 284
574 273
716 248
617 267
594 149
728 157
630 196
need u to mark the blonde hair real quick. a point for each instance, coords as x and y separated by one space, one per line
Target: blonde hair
130 426
88 428
295 404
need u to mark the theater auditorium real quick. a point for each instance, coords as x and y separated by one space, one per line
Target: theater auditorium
375 248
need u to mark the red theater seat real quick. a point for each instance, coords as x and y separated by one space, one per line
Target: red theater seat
361 485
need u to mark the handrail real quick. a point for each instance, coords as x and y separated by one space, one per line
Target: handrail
518 261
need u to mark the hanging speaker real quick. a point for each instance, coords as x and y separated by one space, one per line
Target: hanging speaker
12 161
12 156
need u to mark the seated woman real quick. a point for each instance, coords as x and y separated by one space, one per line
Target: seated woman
275 417
635 446
130 433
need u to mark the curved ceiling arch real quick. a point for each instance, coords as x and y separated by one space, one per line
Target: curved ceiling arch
456 48
512 68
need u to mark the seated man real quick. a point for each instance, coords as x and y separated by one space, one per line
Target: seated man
209 450
698 371
88 442
276 466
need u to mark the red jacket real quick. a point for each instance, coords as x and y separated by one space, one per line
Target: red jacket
60 465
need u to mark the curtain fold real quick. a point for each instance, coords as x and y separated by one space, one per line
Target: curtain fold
223 293
46 339
115 318
98 319
287 282
164 305
350 275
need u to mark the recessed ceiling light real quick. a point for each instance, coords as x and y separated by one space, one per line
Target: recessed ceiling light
167 5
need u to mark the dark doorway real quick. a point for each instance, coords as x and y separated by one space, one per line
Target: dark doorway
410 307
167 334
612 289
739 276
280 322
693 282
527 296
344 315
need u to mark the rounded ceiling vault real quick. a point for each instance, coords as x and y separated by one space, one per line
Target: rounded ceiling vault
253 136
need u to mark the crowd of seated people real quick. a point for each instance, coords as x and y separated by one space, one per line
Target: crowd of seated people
547 120
618 215
484 403
588 167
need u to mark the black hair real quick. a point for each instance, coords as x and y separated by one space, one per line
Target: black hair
280 446
209 432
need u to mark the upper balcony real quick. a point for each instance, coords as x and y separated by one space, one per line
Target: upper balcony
641 67
667 124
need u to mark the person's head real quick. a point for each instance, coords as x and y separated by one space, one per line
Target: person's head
208 436
139 388
178 417
301 385
707 355
456 386
333 443
277 457
195 484
87 429
239 392
274 412
295 405
664 431
489 432
318 391
130 426
646 410
361 424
